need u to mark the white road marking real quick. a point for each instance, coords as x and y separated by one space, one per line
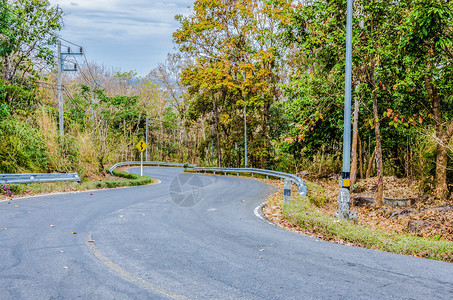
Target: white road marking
256 211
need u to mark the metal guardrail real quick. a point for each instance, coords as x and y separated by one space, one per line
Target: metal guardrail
150 163
302 188
38 177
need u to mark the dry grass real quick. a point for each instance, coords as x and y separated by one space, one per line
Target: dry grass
374 230
49 130
87 161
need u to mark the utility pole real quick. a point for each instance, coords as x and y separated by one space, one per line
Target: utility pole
60 90
146 138
212 150
61 69
245 126
343 197
245 136
93 86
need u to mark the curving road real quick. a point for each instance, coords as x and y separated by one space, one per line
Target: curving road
159 242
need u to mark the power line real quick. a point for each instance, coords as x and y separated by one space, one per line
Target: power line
67 94
45 83
28 34
87 80
54 35
51 33
88 66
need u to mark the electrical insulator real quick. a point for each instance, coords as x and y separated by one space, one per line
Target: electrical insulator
81 50
75 67
69 50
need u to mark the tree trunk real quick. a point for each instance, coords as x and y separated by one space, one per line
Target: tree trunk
322 160
370 164
442 139
408 160
6 72
360 157
266 117
378 156
181 144
355 134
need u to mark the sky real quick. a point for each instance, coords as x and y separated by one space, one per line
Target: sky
123 34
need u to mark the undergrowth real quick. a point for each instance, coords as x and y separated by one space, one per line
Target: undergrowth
302 212
127 179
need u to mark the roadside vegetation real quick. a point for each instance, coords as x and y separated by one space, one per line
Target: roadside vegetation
120 179
305 215
276 64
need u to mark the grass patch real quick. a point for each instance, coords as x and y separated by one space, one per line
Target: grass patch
303 213
316 194
127 179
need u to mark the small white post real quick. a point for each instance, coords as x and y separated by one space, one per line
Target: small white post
141 163
287 191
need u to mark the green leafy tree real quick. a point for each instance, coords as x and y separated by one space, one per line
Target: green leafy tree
240 70
426 45
27 33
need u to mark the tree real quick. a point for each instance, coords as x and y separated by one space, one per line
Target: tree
426 45
241 70
28 31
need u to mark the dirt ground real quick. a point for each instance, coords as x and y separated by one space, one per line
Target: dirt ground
423 216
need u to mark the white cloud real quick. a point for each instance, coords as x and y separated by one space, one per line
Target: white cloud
123 32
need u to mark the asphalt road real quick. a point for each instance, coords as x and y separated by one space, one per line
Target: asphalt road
200 241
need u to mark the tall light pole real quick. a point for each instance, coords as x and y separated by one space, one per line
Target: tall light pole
343 198
60 90
245 127
245 108
245 135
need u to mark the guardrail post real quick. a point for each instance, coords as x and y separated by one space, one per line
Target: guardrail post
287 191
303 190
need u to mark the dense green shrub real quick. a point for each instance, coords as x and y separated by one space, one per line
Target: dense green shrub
134 180
21 147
